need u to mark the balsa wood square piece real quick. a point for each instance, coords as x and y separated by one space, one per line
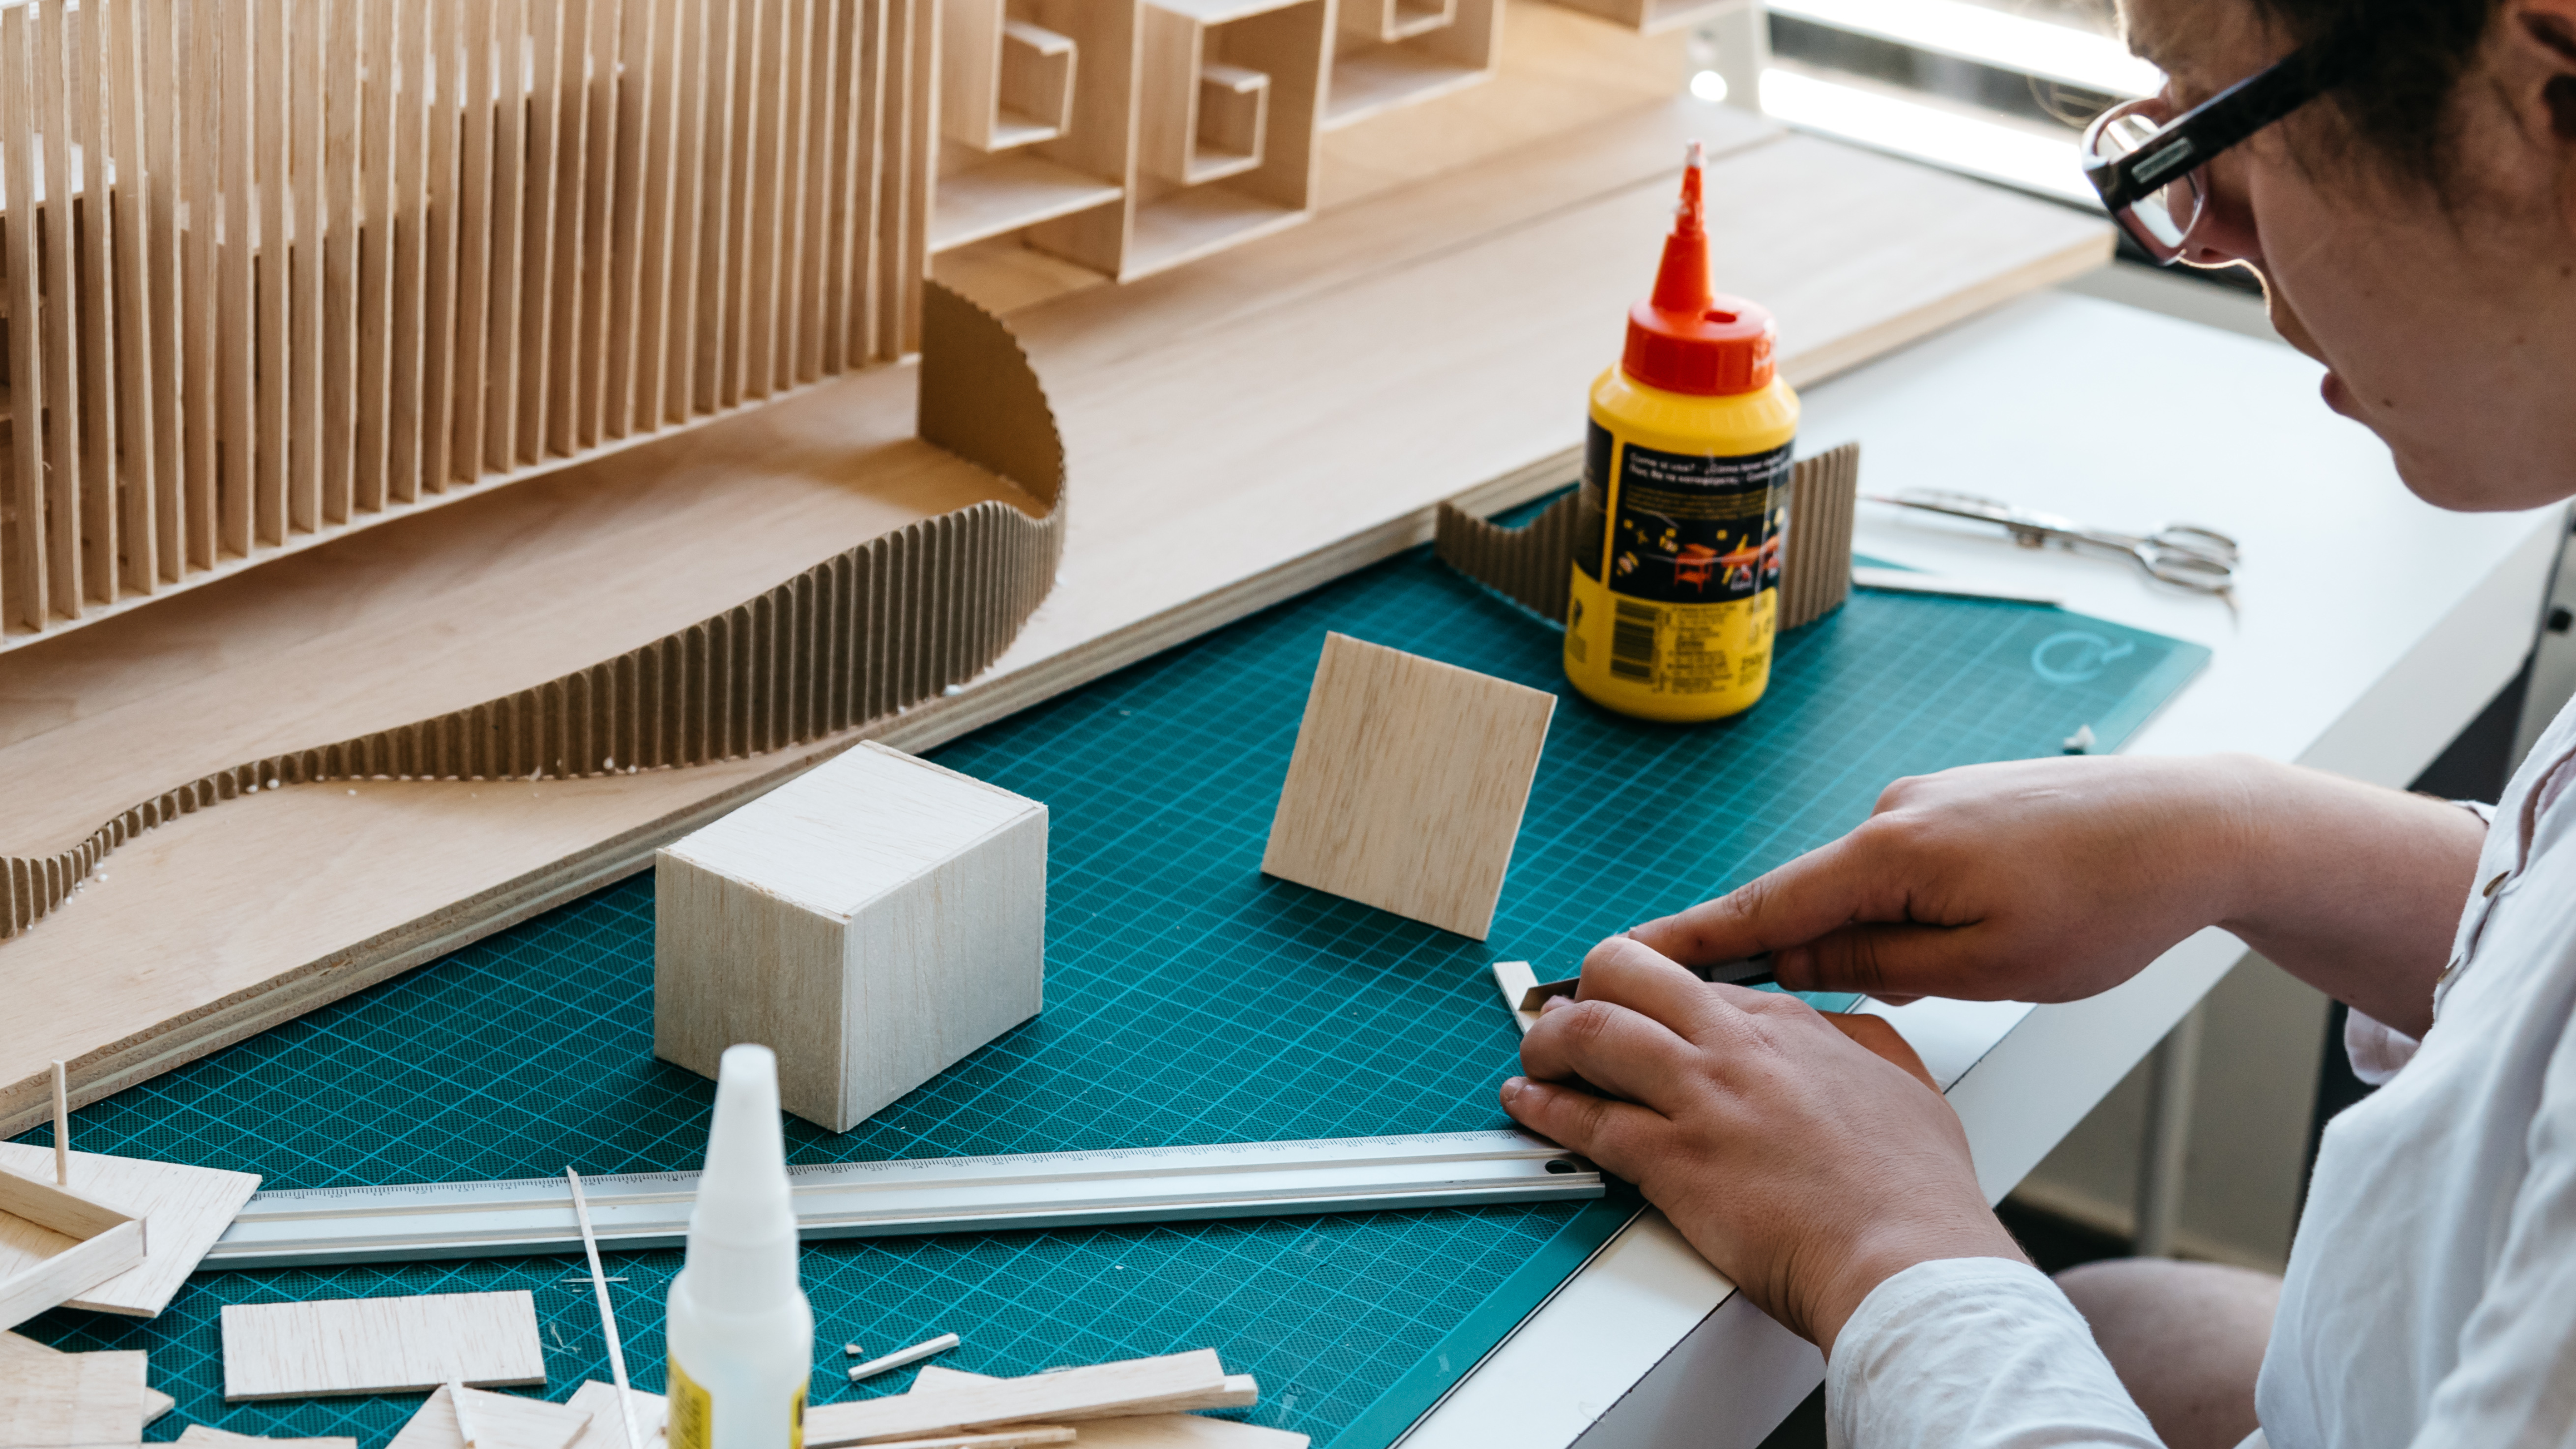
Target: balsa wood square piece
17 1351
71 1400
501 1421
1514 979
1173 1428
380 1345
57 1243
1136 1385
184 1210
872 922
1407 785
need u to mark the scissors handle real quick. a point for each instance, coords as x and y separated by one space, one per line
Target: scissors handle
2184 568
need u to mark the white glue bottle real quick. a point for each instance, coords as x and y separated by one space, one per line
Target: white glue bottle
741 1333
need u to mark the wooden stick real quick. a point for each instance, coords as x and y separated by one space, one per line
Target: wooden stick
62 1130
902 1356
456 1401
607 1318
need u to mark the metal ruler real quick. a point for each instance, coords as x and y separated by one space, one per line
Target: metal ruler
428 1221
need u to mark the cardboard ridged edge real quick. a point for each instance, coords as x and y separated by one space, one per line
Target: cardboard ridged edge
1529 564
868 632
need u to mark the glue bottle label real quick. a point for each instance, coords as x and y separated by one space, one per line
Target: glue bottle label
691 1410
1687 549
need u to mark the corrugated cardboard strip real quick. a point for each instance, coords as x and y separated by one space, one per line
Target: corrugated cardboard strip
886 624
1529 564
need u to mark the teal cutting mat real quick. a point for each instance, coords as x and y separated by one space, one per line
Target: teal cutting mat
1189 1000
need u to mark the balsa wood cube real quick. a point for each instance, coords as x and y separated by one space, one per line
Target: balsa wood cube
872 922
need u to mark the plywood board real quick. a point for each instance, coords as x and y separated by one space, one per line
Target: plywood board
1216 371
184 1209
380 1345
501 1421
71 1401
1002 1401
1406 788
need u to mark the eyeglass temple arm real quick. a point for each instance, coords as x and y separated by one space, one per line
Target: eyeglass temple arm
2221 121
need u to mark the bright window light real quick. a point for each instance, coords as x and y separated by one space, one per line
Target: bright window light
1988 37
1709 86
2016 157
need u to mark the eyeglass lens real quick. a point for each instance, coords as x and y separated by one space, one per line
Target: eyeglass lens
2164 216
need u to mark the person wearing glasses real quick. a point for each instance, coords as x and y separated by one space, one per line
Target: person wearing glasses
2402 173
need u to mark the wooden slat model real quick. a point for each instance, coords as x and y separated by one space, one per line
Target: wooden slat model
18 1355
651 212
57 1243
1406 787
501 1421
857 637
1173 1427
88 1400
1141 1385
184 1210
380 1345
872 922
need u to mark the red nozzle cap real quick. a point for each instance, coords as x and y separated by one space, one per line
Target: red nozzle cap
1686 338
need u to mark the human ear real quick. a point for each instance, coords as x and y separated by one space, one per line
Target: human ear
2543 33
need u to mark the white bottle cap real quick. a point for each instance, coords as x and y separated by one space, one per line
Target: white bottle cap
742 1232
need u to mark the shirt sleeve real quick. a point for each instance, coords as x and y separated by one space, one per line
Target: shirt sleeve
1975 1353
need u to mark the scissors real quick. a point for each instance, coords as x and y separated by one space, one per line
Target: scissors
2184 555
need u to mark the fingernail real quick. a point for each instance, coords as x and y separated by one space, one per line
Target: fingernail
1512 1087
1554 1003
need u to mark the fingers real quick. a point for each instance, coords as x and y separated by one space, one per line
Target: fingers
1621 1052
1893 962
1879 1037
1827 887
1620 1137
1626 972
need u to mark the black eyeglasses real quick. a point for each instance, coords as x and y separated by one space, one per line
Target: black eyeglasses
2150 169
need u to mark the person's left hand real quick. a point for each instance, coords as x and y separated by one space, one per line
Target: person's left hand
1806 1166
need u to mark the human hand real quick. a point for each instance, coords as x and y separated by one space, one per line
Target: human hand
2034 880
1805 1165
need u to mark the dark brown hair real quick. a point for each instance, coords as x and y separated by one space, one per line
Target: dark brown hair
2410 57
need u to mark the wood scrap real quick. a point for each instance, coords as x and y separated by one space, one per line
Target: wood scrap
1514 979
85 1399
888 1363
630 1428
1171 1429
56 1243
184 1210
607 1426
1239 1391
501 1421
988 1439
1010 1400
204 1437
1406 787
17 1349
380 1345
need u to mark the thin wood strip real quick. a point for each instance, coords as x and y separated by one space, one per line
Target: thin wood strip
273 184
637 237
805 51
200 142
597 265
337 119
443 257
130 210
508 108
22 567
719 297
64 515
156 51
380 231
474 228
102 473
236 320
542 193
702 207
765 94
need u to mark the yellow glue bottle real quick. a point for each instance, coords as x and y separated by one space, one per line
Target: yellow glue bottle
1685 469
740 1330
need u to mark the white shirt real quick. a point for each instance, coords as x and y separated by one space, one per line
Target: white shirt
2431 1293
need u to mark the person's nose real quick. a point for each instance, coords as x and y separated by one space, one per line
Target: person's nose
2226 233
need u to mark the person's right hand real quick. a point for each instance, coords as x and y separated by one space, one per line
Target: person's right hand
2036 880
